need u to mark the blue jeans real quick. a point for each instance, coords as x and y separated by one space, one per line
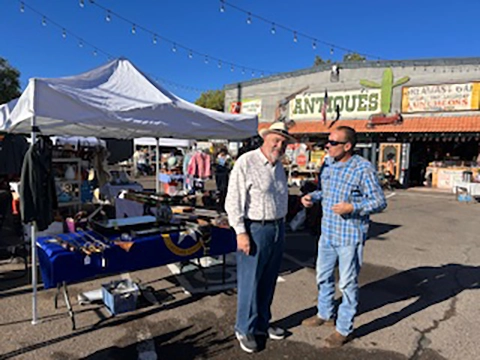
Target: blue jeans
257 276
349 264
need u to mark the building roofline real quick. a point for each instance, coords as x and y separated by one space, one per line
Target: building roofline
359 65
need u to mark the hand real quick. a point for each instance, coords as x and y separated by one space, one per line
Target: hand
342 208
307 201
243 243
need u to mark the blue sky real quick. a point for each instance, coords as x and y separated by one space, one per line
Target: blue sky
405 29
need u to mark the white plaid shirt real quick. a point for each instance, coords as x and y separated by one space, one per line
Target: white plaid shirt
257 190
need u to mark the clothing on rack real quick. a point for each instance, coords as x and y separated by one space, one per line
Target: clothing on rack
199 165
38 197
12 151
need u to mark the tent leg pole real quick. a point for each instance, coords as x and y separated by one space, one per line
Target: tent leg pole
33 238
157 166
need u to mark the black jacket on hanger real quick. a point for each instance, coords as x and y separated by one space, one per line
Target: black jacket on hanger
38 197
12 151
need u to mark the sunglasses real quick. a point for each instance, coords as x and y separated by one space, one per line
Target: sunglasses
335 143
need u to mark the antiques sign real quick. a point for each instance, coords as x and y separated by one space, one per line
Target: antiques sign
353 104
446 97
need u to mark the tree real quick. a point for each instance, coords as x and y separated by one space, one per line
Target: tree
212 99
9 82
319 61
351 57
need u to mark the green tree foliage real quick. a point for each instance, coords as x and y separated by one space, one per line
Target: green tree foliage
9 82
212 99
319 61
350 57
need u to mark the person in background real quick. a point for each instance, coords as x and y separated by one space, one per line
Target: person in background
349 192
223 165
256 205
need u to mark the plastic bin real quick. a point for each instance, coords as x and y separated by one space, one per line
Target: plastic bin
120 296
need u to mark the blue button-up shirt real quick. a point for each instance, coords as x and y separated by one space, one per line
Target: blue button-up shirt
354 181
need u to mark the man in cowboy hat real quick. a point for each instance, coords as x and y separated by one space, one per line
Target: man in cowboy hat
256 205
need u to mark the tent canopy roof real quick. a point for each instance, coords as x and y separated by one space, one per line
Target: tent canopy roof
117 100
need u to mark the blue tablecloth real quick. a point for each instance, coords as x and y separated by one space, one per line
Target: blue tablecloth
59 265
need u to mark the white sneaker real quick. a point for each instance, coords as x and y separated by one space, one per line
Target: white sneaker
247 342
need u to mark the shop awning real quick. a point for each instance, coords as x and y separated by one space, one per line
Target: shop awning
435 124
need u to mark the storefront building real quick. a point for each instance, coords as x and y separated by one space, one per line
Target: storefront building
417 118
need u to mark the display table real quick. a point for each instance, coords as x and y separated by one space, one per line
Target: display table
111 191
59 265
471 188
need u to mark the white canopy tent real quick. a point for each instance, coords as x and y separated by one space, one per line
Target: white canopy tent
115 100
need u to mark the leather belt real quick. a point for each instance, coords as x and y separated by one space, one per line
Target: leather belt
263 222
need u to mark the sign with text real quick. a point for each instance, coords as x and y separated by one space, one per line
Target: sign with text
247 106
353 104
444 97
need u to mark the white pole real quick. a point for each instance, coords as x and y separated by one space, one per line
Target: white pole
157 166
33 244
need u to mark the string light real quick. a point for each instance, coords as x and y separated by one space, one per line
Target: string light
108 17
190 55
81 3
219 64
314 44
174 48
95 51
134 29
273 30
295 39
331 51
232 69
154 40
251 15
206 59
22 7
44 21
222 6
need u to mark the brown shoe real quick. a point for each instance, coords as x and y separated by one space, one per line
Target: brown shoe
316 321
336 340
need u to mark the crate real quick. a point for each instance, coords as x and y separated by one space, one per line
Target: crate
120 296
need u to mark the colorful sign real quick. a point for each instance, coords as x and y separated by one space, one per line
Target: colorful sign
444 97
247 107
355 104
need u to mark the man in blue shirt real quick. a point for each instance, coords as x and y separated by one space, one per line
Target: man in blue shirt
349 192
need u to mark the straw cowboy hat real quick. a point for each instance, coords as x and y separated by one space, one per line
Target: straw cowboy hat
279 128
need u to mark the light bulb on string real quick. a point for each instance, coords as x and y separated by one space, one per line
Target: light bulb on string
243 71
219 64
108 17
95 52
154 40
64 33
81 3
222 6
44 21
22 7
295 38
273 30
134 29
249 19
232 69
174 48
80 44
206 59
314 44
190 55
331 51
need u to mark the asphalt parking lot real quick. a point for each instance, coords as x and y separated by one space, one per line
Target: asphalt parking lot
419 300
